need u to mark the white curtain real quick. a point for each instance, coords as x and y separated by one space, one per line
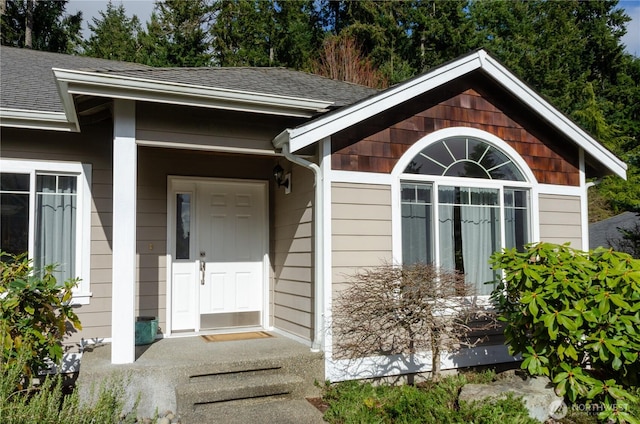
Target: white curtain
480 235
447 241
416 233
56 233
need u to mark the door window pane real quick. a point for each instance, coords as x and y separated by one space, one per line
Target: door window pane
183 225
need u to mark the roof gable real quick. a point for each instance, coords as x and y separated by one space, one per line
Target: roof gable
477 62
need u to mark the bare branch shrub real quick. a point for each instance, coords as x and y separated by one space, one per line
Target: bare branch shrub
341 59
405 310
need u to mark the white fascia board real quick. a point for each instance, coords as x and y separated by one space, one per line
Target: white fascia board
129 88
35 119
320 128
510 82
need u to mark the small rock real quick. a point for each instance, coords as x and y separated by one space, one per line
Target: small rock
146 421
164 420
167 413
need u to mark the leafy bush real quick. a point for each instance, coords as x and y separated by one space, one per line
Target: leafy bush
575 317
35 314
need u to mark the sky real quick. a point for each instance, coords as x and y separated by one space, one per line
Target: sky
143 8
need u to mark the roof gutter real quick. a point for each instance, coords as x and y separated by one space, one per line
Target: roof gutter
318 324
34 119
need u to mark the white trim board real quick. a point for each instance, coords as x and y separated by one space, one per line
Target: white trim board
82 293
36 120
394 365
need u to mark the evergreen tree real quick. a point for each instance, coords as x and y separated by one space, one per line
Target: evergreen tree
114 35
299 33
440 31
380 28
177 34
41 25
266 33
244 33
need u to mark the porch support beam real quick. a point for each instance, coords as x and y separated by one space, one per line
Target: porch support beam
124 233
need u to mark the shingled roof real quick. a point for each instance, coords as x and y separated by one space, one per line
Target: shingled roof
606 233
27 81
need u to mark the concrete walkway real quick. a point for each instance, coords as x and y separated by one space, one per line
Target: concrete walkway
172 368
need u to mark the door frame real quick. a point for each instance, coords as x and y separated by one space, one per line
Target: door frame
172 182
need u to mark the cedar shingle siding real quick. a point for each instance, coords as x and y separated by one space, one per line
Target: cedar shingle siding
379 152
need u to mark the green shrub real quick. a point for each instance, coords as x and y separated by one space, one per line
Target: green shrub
575 317
46 403
434 402
35 314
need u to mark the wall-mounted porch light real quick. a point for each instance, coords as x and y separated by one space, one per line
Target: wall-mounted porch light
282 179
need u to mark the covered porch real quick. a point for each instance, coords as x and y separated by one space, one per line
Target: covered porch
204 237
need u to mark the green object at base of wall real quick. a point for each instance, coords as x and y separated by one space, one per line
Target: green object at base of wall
146 330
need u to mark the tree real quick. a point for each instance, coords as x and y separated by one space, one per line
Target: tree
299 33
571 52
176 35
244 33
381 29
440 31
114 36
41 25
405 310
341 59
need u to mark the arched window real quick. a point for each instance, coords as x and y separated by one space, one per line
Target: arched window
464 157
463 198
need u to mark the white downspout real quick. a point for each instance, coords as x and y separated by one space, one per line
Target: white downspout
316 345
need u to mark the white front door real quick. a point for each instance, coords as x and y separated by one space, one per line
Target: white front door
218 270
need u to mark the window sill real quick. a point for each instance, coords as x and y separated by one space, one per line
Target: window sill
81 298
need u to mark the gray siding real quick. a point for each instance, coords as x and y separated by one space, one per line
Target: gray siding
292 254
181 125
560 219
360 228
94 146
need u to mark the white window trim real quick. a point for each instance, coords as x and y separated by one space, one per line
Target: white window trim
82 293
398 177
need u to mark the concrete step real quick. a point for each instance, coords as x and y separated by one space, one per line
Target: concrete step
236 386
244 370
280 411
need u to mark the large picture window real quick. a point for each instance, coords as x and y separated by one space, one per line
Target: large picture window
43 213
461 200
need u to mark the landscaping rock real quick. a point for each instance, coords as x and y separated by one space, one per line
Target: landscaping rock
537 393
